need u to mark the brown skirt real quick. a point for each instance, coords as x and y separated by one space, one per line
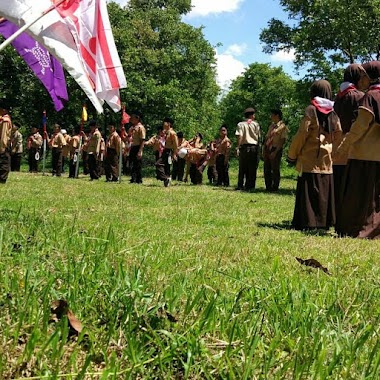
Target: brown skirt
359 215
315 205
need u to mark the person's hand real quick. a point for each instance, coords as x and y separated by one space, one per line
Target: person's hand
139 154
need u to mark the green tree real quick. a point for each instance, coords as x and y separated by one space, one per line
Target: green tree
326 33
169 65
264 87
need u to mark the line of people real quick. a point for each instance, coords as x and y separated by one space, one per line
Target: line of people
336 152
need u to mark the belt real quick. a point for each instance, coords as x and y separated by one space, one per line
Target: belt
248 144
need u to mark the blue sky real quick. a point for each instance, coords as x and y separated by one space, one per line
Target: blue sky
236 24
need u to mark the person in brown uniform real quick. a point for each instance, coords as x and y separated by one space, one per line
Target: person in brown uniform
360 212
272 150
138 132
74 150
194 159
157 142
223 148
346 107
248 138
65 148
5 141
179 164
34 145
168 154
57 142
16 148
93 150
311 150
111 164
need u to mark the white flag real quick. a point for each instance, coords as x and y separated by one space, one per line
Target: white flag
89 24
52 32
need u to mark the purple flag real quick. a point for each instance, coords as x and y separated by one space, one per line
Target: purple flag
48 70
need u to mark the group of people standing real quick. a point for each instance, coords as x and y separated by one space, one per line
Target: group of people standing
336 152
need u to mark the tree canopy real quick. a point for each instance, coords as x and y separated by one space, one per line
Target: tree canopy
326 33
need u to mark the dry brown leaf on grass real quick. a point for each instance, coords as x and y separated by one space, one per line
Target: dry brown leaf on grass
313 264
59 309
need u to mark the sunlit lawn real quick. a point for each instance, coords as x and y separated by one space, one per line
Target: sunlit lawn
183 282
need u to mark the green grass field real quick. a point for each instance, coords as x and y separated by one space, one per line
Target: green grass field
183 282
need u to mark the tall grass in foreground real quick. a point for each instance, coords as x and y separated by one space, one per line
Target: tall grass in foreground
179 283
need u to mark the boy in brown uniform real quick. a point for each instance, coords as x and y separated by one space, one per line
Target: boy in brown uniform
157 142
34 146
180 163
93 150
272 151
111 164
248 138
16 148
223 148
135 155
65 148
169 153
5 140
57 142
194 159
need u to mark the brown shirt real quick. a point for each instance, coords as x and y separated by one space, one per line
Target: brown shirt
249 132
66 148
223 146
16 142
312 146
74 145
138 134
277 133
35 141
114 141
93 144
57 141
5 133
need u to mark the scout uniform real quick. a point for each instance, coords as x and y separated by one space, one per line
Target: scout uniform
164 162
5 140
57 142
138 137
274 140
180 163
16 151
93 151
248 133
34 147
223 148
194 160
65 148
73 154
112 157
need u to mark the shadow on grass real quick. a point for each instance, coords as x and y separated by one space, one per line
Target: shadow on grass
286 225
281 192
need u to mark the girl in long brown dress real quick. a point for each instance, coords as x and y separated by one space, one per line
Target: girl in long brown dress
360 216
311 150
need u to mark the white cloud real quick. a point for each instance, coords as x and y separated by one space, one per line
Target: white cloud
207 7
121 2
283 56
236 49
228 68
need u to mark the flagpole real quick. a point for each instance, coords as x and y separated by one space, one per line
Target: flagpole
122 131
44 152
28 25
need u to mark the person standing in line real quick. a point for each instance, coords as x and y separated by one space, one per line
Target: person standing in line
248 138
16 148
74 149
346 106
57 142
34 145
359 216
65 148
112 155
179 164
93 150
272 150
5 141
310 151
168 154
223 149
138 133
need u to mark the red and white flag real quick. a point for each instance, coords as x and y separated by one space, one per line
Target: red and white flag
89 24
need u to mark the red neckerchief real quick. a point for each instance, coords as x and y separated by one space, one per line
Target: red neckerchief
346 91
374 87
323 105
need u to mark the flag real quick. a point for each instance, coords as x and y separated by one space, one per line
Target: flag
89 24
124 116
84 114
48 70
52 32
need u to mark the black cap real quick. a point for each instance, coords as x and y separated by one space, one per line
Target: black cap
249 110
137 113
169 120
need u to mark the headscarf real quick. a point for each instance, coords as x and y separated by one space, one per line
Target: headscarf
353 73
373 71
321 88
